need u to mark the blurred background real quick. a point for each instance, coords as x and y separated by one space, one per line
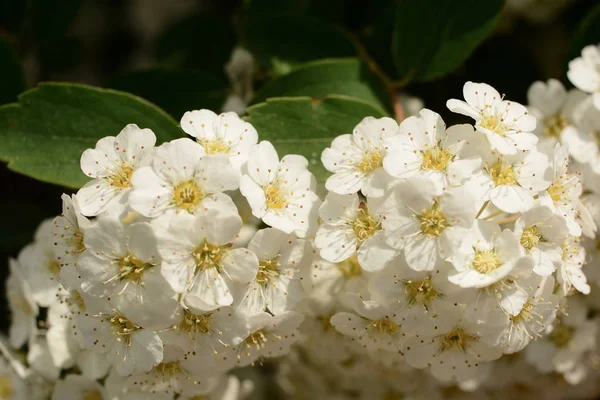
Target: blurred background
119 43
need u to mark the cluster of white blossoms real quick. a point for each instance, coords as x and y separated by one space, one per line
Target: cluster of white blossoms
442 262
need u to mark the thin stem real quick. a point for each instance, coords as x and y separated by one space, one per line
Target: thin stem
482 208
16 365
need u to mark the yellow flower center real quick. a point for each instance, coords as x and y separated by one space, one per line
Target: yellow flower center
350 267
371 160
554 125
76 242
132 268
275 197
436 159
187 195
268 270
561 335
364 225
485 261
209 255
195 323
53 265
120 176
531 237
257 339
90 396
6 387
168 368
123 327
215 146
524 315
433 222
420 292
456 339
494 123
502 174
385 326
556 191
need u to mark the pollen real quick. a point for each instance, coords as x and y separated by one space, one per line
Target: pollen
554 125
385 326
275 197
132 268
187 195
256 339
120 176
420 292
371 160
433 222
456 339
556 192
168 368
493 122
525 315
208 255
486 261
436 159
195 323
268 270
502 174
364 226
215 146
531 237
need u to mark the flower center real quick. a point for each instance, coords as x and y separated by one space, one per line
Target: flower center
485 261
531 237
168 368
187 195
371 160
90 396
502 174
209 255
131 268
350 267
561 335
420 292
122 326
456 339
214 146
76 242
195 323
53 266
570 248
6 387
433 222
120 176
274 196
385 326
524 315
268 270
436 159
493 122
257 339
554 125
556 191
364 226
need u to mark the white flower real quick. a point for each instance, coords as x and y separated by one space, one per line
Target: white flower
121 263
541 234
486 255
584 72
330 279
510 182
268 336
78 387
68 240
584 142
227 387
128 347
281 193
23 308
181 178
198 258
111 163
356 159
536 314
425 149
554 108
506 124
40 359
283 268
350 227
372 325
240 71
421 223
41 266
562 196
455 350
570 273
225 133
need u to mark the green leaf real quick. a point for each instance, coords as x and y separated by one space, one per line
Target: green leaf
276 39
431 38
44 134
13 81
587 32
321 78
175 91
301 125
200 41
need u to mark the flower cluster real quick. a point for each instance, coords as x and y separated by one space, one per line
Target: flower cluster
443 262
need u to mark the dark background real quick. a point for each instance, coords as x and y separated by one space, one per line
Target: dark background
91 41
